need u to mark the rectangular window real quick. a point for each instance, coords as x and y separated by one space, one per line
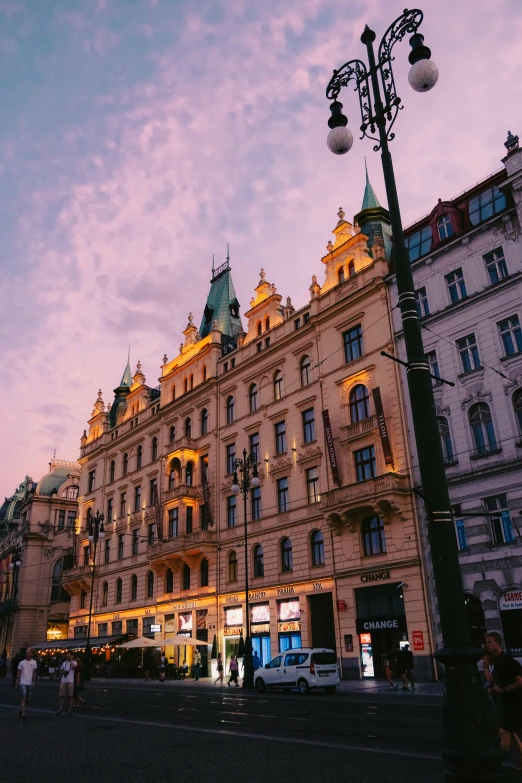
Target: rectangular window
460 528
283 499
190 512
103 629
255 497
267 342
511 335
173 515
86 550
312 485
365 466
254 446
496 265
123 504
231 456
353 346
231 511
109 510
137 498
92 481
469 355
132 627
306 317
121 542
488 203
456 286
419 243
308 425
297 323
203 523
147 623
152 491
71 519
421 298
80 631
431 356
61 520
107 552
259 347
135 541
117 627
280 437
501 527
150 533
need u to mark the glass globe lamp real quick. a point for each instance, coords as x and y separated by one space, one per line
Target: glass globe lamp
339 140
423 75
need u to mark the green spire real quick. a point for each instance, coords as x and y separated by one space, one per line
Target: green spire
126 379
222 305
370 199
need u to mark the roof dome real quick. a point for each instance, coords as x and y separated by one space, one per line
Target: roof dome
59 472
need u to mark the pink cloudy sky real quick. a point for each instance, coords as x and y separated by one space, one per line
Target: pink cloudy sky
137 137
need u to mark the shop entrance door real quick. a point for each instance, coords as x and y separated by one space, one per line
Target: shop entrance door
384 643
261 645
322 621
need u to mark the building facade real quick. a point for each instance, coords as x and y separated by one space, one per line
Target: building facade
34 557
467 266
333 543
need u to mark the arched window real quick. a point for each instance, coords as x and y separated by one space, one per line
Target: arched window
232 567
252 398
374 540
204 373
154 449
351 268
204 421
230 410
340 274
517 407
267 323
169 581
445 227
57 591
359 403
134 587
186 577
118 591
445 437
286 555
150 584
203 573
105 593
476 620
189 473
278 385
174 468
139 457
125 464
317 547
259 563
306 371
482 428
112 471
188 427
172 434
259 329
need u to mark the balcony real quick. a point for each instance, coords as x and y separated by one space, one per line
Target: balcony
383 496
183 491
180 444
189 547
359 428
77 579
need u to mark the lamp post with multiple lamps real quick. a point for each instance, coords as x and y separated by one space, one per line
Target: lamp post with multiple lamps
14 567
96 532
472 750
243 482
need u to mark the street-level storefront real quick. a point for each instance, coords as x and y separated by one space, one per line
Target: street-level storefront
510 606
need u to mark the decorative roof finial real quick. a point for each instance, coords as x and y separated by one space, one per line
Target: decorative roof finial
511 143
341 214
100 395
190 319
165 358
329 246
262 276
138 366
228 253
213 266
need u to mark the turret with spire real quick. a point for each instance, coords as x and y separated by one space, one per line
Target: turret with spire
373 219
119 406
222 304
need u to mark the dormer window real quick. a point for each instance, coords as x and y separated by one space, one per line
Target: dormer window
340 275
445 227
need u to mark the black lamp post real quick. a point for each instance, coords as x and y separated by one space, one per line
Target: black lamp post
96 533
242 485
14 567
472 751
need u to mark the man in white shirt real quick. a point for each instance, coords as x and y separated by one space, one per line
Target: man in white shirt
26 679
67 683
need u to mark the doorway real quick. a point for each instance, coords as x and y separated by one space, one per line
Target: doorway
322 621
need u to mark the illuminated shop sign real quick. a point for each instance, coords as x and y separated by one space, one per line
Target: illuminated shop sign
288 610
369 624
260 613
234 616
286 627
233 631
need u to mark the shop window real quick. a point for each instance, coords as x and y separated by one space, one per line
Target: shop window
169 581
203 573
444 227
259 562
186 577
286 555
317 547
134 587
374 539
150 584
230 410
306 371
476 620
510 605
118 591
204 421
232 567
482 428
132 627
359 403
278 385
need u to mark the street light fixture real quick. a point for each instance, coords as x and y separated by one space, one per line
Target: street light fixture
95 534
473 750
243 484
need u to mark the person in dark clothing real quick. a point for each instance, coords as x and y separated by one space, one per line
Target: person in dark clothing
14 668
406 664
504 676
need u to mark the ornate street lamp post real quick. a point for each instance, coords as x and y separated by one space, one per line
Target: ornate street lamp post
242 485
472 751
96 533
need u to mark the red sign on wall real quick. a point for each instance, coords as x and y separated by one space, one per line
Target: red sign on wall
418 640
341 606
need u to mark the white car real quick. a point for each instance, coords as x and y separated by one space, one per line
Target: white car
305 668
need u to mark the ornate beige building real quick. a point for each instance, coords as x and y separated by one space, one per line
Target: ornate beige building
333 543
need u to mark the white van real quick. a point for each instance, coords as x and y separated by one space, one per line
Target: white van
304 668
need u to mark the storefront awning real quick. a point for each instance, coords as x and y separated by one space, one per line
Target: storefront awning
78 644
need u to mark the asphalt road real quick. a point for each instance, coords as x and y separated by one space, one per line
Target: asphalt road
134 732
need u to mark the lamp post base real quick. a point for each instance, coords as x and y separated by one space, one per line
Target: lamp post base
87 664
248 666
473 753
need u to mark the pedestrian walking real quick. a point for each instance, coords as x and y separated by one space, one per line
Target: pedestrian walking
388 670
67 684
197 665
234 671
78 684
505 681
162 668
52 668
256 661
26 679
15 660
219 669
406 664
